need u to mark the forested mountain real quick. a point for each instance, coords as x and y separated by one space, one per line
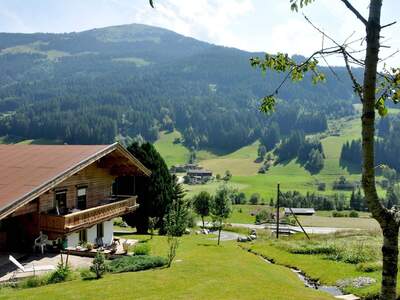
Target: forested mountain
130 80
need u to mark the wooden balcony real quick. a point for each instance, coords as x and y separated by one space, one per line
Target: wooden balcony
63 224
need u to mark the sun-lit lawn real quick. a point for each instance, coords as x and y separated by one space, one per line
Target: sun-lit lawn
202 270
318 221
239 163
192 190
291 175
172 153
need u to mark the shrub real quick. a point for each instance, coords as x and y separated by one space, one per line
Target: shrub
136 263
321 186
328 249
338 214
34 281
369 267
191 219
141 249
255 198
264 215
98 266
62 273
353 214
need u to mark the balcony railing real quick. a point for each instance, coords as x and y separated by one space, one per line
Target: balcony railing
88 217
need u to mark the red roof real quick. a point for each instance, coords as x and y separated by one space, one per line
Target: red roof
25 169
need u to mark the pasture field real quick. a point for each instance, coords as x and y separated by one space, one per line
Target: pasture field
173 154
202 270
291 175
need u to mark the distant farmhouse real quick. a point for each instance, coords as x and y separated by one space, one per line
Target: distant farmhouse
195 174
70 194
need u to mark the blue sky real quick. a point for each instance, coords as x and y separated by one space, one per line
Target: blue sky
254 25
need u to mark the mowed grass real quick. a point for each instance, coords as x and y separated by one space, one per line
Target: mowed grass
319 221
173 154
240 163
202 270
192 190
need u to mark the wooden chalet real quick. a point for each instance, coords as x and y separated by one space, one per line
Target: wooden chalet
68 192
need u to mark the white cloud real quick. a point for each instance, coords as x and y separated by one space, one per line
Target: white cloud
209 20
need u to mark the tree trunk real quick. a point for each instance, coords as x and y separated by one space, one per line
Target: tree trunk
385 218
219 233
202 219
390 252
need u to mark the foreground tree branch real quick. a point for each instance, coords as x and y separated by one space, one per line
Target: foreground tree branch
355 11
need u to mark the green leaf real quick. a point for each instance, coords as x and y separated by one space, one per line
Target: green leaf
151 3
268 104
383 111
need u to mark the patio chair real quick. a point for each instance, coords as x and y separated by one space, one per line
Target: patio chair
28 269
40 242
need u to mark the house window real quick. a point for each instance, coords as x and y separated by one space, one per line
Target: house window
60 202
100 230
82 236
81 198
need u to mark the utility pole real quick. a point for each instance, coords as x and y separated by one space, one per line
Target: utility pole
277 212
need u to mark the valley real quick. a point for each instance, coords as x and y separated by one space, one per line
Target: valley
291 175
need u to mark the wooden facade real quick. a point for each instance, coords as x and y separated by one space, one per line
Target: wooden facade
55 225
80 210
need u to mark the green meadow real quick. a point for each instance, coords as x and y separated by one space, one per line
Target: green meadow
202 270
291 175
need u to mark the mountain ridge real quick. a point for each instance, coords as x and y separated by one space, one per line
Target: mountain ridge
130 80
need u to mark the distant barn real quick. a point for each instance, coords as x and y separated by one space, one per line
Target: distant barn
300 211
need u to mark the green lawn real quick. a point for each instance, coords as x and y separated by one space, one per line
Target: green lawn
202 270
320 221
192 190
173 154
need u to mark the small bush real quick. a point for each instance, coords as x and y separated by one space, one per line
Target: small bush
62 273
141 249
191 219
35 281
353 214
329 249
321 186
338 214
264 215
98 266
255 198
369 267
136 263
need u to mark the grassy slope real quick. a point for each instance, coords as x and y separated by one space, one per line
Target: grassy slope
172 153
291 176
16 140
202 270
317 267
